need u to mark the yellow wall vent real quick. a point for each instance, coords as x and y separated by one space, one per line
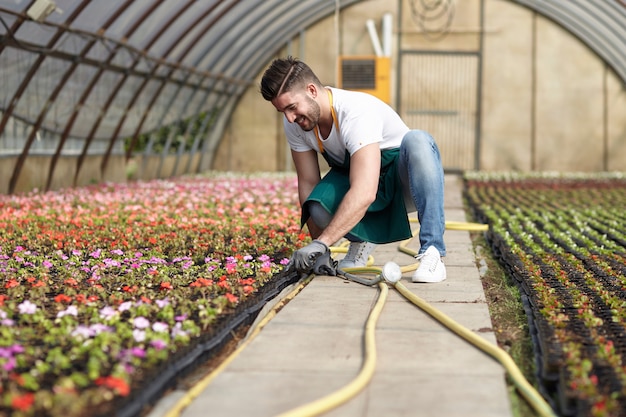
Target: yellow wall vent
370 74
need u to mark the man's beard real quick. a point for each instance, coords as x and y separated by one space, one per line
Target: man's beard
313 116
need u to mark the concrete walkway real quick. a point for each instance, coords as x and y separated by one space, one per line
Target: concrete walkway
314 346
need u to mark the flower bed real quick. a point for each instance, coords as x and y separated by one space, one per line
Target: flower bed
563 237
101 287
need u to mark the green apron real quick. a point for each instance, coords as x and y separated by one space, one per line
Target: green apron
385 220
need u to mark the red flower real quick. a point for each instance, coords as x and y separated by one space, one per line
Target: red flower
62 298
231 297
166 286
71 282
23 402
145 299
2 299
128 288
201 282
115 383
12 283
600 406
81 298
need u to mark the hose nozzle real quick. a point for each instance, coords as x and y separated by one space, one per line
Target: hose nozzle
391 272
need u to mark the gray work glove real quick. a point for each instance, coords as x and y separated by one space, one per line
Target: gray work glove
325 265
304 259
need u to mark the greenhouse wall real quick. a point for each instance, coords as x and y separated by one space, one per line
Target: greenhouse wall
544 100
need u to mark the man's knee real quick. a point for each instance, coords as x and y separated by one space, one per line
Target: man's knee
417 139
321 217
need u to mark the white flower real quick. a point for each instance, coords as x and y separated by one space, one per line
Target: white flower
27 307
160 327
139 335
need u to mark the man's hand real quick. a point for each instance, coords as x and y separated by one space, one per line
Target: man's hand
304 259
325 265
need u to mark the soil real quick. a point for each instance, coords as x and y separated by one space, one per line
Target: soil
508 318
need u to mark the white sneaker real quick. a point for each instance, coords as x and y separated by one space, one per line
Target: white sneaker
431 268
357 255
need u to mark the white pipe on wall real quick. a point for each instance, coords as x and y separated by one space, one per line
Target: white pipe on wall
371 28
387 33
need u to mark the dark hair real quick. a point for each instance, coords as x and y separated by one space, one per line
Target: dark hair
285 75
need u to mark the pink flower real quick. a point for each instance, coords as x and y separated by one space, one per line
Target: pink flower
158 344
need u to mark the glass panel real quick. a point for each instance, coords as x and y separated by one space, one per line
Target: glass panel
33 32
15 5
96 100
64 11
46 142
15 64
118 107
153 24
195 33
178 105
160 114
72 43
63 107
123 23
7 20
101 51
197 101
14 137
136 113
40 88
125 58
234 38
96 14
172 34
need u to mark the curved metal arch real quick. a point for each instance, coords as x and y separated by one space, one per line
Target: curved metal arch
248 61
18 94
134 26
247 68
181 56
221 53
602 29
189 47
61 84
139 89
599 24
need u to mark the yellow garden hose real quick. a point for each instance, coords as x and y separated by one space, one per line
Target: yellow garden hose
535 400
333 400
527 390
198 387
344 394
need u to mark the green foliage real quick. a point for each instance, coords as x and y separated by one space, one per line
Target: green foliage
181 133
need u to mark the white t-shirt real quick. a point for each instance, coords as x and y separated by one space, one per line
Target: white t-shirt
362 118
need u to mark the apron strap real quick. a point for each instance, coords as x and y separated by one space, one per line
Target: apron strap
335 121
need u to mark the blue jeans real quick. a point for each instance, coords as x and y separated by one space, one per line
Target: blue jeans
421 175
